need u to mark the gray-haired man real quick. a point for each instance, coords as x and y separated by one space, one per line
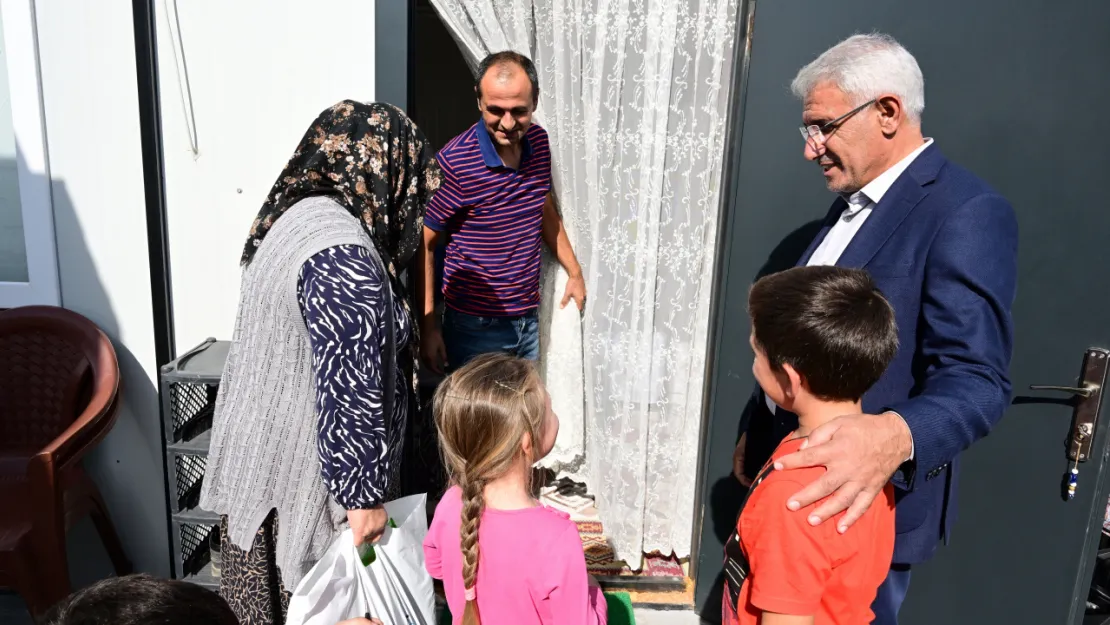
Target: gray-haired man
942 246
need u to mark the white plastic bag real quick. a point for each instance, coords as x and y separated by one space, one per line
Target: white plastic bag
395 588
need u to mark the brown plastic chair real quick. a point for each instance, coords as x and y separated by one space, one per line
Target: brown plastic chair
59 384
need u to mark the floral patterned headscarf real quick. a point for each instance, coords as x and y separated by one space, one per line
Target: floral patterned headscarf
372 159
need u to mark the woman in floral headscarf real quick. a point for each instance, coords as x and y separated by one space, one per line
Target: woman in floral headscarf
314 398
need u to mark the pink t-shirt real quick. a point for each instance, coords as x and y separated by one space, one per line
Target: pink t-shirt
531 569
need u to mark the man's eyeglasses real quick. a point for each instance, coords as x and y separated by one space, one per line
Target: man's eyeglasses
815 135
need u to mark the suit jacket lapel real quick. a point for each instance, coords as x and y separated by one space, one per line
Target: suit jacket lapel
906 193
884 220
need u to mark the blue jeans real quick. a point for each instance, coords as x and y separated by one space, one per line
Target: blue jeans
891 594
467 336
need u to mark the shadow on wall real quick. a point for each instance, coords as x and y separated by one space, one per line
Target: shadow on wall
127 465
726 494
13 250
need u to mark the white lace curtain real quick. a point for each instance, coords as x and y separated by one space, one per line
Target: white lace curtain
634 96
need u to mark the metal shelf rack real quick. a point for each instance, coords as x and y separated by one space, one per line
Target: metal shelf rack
188 390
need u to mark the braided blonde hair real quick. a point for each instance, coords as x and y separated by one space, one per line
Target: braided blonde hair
482 413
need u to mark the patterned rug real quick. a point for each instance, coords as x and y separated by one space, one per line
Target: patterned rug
601 561
659 565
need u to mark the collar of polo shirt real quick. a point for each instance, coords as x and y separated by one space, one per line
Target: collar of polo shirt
489 150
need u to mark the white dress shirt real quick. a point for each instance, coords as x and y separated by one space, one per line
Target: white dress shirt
860 205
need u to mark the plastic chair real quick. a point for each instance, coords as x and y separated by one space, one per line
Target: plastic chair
59 384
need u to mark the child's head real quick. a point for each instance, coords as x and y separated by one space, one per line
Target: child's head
821 332
142 600
494 417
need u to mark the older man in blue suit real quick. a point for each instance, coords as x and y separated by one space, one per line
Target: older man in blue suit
942 246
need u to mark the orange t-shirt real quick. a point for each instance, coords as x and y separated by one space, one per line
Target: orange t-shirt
799 569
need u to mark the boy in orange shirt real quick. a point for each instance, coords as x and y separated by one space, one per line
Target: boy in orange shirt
822 337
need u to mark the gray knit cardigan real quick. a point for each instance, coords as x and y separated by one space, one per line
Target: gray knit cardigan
263 453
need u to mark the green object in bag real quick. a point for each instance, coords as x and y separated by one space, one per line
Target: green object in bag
366 551
620 608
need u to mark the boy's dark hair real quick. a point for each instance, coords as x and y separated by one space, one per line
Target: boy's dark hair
508 58
142 600
831 324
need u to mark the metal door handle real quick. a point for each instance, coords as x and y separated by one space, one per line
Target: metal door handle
1083 391
1088 400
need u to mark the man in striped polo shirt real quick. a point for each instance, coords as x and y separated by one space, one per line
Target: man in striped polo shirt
494 210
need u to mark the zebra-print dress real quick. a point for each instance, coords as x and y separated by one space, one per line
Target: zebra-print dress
341 299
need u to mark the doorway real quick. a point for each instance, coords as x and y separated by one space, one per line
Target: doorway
1019 553
443 106
442 102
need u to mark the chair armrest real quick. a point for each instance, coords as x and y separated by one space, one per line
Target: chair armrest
95 420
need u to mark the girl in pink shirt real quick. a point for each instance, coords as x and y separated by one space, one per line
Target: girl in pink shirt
501 554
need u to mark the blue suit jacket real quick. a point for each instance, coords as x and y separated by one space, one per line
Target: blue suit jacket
942 247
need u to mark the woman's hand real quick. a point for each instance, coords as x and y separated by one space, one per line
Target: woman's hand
367 526
361 621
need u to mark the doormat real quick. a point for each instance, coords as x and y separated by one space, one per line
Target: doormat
659 565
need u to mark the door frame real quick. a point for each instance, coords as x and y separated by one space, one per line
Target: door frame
393 73
32 165
726 222
154 180
1092 535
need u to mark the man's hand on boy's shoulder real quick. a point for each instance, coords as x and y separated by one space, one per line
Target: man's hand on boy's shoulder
860 454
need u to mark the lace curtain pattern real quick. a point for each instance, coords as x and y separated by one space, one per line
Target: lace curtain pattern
634 95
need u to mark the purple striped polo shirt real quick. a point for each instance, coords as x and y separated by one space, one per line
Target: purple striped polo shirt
493 215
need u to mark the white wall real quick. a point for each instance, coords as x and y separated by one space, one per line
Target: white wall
259 72
92 126
13 247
